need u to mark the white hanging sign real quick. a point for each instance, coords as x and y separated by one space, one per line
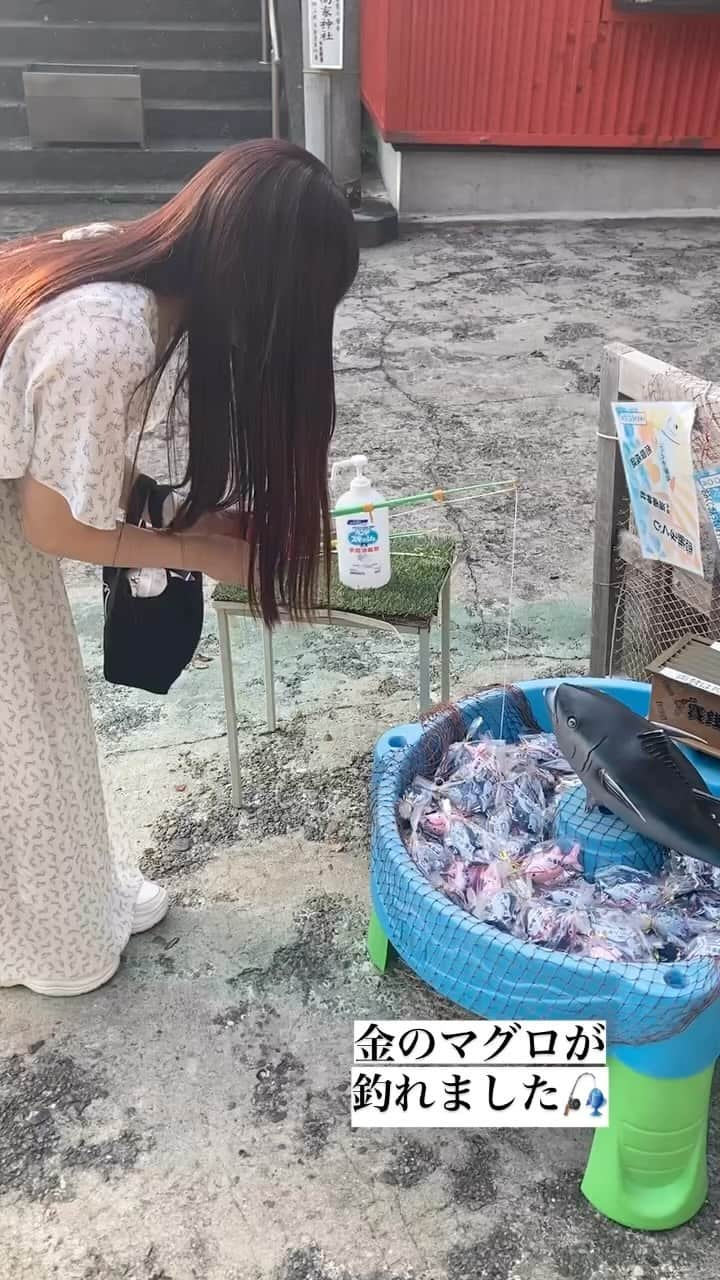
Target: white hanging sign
326 34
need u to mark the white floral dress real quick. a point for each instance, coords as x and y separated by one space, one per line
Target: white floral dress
68 401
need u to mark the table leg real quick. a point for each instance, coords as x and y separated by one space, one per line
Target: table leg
270 710
424 684
230 704
445 642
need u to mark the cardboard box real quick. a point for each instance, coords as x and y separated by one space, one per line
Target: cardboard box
686 690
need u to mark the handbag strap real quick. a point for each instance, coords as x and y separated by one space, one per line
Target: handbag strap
139 499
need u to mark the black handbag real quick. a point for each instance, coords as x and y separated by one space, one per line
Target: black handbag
153 617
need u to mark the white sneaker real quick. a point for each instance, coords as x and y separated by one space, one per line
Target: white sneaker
70 986
151 906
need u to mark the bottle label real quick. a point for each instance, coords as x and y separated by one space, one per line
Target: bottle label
363 547
367 537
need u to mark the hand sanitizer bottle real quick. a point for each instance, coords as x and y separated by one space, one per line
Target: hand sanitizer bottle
363 535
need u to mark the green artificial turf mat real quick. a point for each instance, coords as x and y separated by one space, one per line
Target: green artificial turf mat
420 565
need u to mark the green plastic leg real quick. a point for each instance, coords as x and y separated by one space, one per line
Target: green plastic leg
378 944
648 1170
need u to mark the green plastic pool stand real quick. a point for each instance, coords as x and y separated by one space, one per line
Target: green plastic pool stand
378 944
648 1169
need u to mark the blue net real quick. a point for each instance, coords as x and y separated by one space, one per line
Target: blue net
489 971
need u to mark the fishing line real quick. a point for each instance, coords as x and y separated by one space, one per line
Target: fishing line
511 594
510 487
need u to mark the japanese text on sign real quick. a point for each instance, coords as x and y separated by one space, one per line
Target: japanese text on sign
325 18
472 1074
655 441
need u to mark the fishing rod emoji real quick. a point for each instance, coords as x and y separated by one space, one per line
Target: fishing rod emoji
596 1098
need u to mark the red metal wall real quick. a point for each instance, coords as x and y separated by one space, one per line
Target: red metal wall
546 73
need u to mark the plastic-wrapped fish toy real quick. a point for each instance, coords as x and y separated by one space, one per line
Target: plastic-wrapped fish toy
677 886
497 874
455 832
528 805
621 932
545 924
500 824
550 866
504 847
454 880
475 875
630 888
708 906
597 948
470 796
420 795
704 875
542 749
431 859
436 823
576 896
471 759
708 944
499 909
679 927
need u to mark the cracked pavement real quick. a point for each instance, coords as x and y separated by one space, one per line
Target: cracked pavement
191 1119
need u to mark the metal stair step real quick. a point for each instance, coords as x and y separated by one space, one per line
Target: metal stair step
171 160
183 78
113 42
143 10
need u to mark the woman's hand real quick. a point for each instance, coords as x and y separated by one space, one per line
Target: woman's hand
233 524
226 559
50 527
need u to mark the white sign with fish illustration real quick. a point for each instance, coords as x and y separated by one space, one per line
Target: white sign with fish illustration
655 446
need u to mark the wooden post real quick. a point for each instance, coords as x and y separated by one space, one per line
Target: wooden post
611 491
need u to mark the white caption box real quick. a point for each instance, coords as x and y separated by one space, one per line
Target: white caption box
474 1042
416 1097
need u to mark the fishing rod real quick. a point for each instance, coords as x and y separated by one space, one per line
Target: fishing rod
485 489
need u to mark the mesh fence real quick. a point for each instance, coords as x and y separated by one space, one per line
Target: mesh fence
487 970
656 606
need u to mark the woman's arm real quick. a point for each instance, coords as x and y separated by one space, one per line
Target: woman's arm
50 527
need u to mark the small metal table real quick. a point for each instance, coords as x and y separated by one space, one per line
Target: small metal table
417 593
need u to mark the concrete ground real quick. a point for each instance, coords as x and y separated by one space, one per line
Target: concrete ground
191 1119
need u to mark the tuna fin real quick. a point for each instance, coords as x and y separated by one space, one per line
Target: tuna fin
657 744
708 802
616 790
681 735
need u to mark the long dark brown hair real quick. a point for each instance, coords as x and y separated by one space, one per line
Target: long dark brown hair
261 247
